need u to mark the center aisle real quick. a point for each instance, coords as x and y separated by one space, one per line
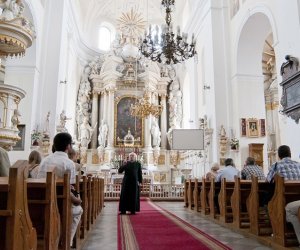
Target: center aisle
156 228
104 232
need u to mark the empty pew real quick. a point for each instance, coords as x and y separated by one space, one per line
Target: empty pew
16 227
42 206
259 219
285 192
191 187
205 187
185 196
239 197
225 201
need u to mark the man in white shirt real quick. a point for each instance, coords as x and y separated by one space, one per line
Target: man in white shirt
62 144
228 172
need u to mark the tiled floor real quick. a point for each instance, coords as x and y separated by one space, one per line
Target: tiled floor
104 234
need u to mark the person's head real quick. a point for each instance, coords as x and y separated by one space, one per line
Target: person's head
250 161
62 142
72 154
132 156
34 157
215 167
229 162
284 151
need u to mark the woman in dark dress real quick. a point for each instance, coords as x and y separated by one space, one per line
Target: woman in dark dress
130 192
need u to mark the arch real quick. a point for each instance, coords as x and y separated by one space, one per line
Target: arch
259 21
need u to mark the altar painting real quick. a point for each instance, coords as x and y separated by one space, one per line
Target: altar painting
125 122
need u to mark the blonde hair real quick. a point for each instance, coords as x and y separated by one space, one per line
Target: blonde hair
215 166
34 157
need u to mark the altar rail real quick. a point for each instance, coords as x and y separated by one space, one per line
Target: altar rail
153 191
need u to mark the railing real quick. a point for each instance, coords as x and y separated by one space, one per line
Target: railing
153 191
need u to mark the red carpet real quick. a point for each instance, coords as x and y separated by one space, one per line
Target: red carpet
156 228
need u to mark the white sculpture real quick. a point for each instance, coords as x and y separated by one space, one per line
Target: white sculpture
86 132
15 119
155 134
11 9
63 120
175 104
103 130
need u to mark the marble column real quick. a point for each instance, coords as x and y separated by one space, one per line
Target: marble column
94 119
163 122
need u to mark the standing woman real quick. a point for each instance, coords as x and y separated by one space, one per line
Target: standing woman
130 192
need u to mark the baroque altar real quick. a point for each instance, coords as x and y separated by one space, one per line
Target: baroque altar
110 85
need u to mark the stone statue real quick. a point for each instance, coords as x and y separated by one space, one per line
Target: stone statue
47 128
155 134
63 119
103 130
86 132
11 9
175 104
15 119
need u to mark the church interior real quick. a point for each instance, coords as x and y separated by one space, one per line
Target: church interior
185 85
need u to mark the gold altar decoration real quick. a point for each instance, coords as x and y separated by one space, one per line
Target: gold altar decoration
144 108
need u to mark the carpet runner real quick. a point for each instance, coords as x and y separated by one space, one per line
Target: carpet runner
156 228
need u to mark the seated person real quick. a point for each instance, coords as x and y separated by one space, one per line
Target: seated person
4 163
72 154
213 171
291 210
34 161
228 172
251 168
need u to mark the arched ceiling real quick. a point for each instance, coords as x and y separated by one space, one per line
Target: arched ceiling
91 12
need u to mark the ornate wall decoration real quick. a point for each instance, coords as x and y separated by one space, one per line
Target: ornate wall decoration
124 122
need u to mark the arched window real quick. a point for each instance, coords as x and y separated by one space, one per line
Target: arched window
105 38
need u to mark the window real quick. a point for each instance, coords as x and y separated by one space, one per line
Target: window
105 38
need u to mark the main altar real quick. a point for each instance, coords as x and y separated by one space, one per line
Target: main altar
125 104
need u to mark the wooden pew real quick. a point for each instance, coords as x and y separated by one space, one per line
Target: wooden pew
191 187
239 197
285 192
213 191
259 219
196 195
42 205
205 209
63 191
89 201
185 196
225 201
16 227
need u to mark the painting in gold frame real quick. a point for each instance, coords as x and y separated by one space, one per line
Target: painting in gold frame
124 122
252 127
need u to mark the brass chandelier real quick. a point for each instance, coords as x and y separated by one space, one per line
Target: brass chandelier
144 108
169 49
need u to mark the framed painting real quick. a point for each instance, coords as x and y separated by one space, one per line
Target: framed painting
262 125
126 124
21 143
243 127
252 127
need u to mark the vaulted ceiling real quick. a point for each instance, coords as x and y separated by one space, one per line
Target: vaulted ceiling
93 12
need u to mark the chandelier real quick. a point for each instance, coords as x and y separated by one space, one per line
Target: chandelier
170 48
144 108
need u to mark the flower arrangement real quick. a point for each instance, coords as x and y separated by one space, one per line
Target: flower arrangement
234 143
36 137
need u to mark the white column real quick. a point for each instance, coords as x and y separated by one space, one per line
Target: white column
94 119
105 106
110 119
163 122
